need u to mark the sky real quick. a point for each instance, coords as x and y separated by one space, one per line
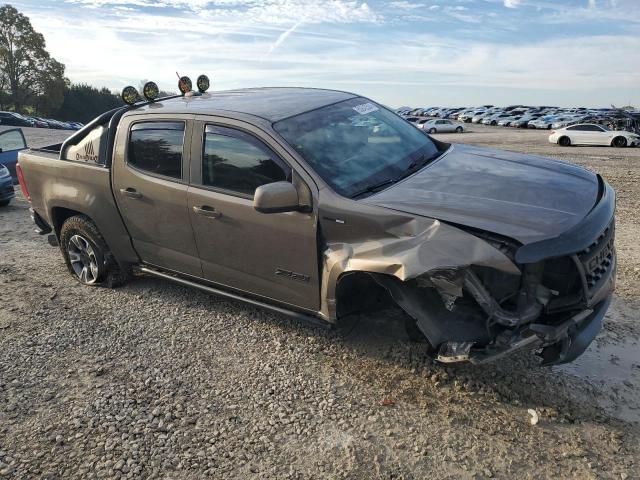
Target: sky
400 52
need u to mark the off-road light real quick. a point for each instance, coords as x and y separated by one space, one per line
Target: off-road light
185 85
150 91
129 95
203 83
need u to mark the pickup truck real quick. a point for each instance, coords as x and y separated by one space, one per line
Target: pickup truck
322 204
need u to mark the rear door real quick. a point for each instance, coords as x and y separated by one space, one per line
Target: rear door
446 126
268 255
150 182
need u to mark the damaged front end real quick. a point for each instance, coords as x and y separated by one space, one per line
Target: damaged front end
556 306
553 301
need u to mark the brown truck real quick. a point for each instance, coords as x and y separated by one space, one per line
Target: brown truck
320 204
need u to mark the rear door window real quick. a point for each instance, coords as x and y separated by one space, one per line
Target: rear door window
237 162
156 148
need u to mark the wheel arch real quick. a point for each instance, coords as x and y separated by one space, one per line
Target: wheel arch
59 215
619 137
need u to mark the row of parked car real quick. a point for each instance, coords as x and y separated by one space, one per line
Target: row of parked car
14 119
521 116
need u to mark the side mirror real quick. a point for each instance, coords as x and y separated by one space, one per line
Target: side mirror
276 197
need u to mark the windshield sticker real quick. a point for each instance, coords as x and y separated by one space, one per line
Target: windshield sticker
365 108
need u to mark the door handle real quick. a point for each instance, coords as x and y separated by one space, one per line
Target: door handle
130 192
207 211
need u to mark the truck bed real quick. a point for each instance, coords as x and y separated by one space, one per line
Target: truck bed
60 188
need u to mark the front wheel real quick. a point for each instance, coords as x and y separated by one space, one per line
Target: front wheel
564 141
619 142
459 130
432 130
87 256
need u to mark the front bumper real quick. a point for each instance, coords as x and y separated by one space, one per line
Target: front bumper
558 344
570 320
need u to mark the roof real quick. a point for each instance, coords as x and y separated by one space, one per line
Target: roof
272 104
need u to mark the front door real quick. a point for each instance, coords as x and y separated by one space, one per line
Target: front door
11 142
268 255
150 183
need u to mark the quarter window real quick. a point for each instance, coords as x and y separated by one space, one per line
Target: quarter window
237 162
156 147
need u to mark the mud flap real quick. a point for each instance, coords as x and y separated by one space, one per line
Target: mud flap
425 306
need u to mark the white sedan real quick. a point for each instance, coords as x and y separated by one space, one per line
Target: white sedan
441 126
591 134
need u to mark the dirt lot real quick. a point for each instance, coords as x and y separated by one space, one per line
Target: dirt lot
154 380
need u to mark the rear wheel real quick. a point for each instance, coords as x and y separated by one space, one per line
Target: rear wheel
459 130
87 256
432 130
619 142
564 141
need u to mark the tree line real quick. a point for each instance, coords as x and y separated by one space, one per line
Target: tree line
33 82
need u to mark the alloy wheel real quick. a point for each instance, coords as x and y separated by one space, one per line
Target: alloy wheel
83 259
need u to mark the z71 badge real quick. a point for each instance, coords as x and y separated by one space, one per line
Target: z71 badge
281 272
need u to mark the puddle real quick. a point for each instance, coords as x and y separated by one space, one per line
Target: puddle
614 369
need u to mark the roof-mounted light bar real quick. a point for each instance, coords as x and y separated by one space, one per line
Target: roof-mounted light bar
151 92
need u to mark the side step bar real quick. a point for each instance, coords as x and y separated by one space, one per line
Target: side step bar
309 319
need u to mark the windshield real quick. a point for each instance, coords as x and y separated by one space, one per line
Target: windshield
355 145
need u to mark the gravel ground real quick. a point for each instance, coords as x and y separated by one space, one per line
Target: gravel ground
154 380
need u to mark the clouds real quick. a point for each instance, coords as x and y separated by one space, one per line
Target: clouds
511 3
401 51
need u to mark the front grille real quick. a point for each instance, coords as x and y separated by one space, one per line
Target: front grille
598 258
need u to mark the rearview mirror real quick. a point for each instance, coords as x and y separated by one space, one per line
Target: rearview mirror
276 197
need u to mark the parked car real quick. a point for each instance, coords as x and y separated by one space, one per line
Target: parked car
11 142
442 126
13 119
564 121
6 186
523 121
505 122
544 122
319 204
592 134
36 122
495 118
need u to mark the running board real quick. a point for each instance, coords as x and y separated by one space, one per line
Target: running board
309 319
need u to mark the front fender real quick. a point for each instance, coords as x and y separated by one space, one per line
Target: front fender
407 250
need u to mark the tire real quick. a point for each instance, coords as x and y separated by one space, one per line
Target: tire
619 142
459 130
548 127
4 203
87 255
494 123
432 130
564 141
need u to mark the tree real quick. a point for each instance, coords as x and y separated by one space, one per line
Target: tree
83 103
28 74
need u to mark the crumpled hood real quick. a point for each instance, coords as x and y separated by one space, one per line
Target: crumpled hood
524 197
